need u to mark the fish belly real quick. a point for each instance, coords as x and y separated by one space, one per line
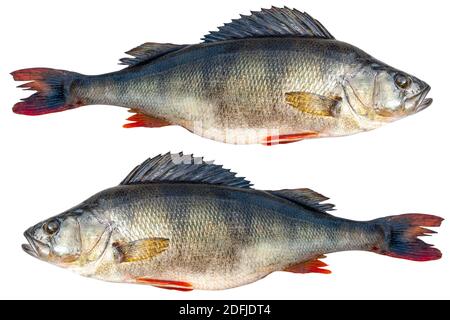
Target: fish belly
235 89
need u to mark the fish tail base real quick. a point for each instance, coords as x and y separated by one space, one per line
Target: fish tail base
52 91
401 237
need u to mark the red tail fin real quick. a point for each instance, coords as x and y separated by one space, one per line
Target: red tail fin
53 91
401 236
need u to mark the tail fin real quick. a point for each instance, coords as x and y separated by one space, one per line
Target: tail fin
53 91
401 234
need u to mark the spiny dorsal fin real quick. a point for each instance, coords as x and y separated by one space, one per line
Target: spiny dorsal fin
305 197
149 51
271 22
178 167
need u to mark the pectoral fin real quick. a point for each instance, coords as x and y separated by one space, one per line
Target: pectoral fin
314 104
140 249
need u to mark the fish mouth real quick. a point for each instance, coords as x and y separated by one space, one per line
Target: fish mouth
29 249
34 247
421 101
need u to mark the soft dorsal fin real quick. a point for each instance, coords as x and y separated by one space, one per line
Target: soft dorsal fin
271 22
178 167
149 51
305 197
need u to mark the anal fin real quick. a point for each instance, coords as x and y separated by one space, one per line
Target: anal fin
289 138
142 120
166 284
310 266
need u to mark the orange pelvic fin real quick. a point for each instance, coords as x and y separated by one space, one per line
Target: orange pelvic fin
142 120
167 284
289 138
314 265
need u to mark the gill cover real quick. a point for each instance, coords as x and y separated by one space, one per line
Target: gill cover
382 93
74 238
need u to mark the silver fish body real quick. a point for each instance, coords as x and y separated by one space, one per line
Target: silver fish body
235 86
282 86
197 226
220 237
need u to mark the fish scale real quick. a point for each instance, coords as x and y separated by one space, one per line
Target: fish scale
250 81
193 240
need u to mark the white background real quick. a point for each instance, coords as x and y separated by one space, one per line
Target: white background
50 163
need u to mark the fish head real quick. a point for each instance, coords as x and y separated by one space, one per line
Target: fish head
70 240
386 94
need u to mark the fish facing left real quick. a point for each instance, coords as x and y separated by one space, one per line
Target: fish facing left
177 222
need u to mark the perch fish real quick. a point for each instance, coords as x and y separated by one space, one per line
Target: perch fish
275 76
178 222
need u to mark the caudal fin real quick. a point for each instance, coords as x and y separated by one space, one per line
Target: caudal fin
52 91
401 236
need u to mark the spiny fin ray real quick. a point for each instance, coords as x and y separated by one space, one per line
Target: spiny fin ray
271 22
178 167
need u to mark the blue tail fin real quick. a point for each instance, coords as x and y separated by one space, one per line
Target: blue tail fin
402 234
52 91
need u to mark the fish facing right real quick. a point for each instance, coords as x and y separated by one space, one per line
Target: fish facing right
276 76
177 222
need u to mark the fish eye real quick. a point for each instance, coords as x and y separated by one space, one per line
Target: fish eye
51 227
402 81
